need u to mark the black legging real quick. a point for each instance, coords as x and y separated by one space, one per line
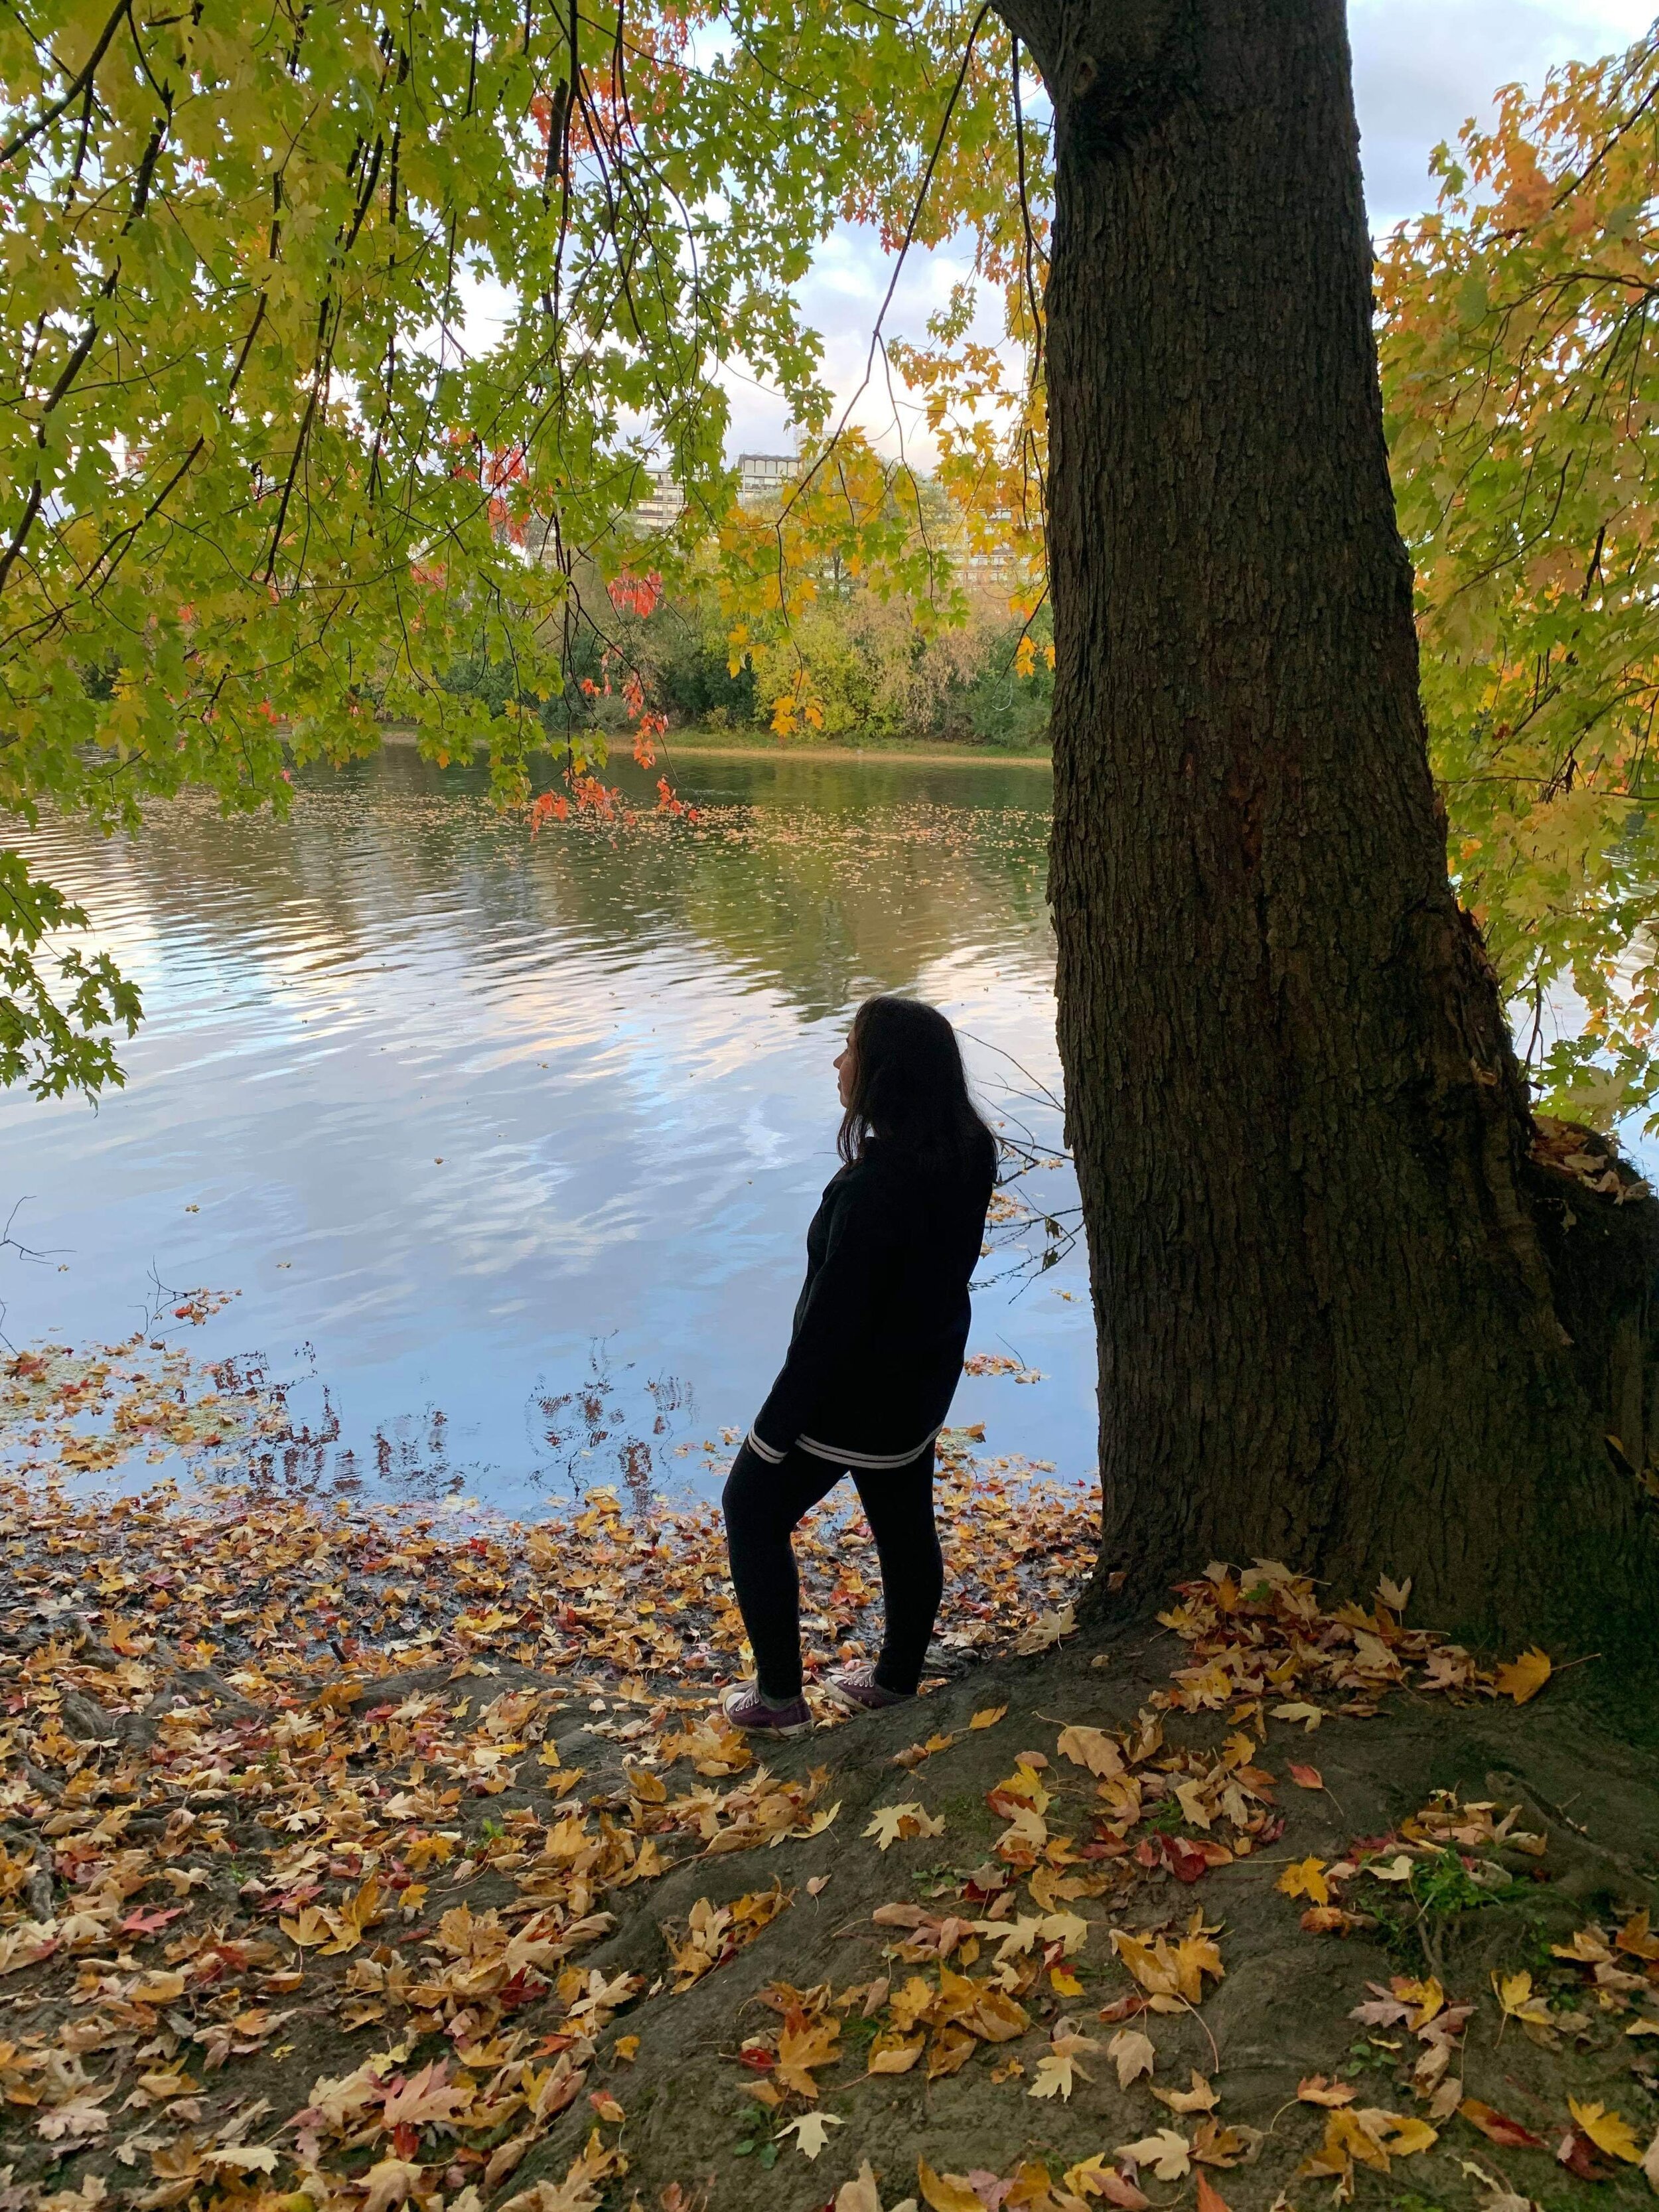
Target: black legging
762 1504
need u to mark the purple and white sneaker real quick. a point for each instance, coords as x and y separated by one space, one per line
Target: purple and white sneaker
857 1688
745 1708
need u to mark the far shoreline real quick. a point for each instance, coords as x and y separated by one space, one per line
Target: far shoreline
724 747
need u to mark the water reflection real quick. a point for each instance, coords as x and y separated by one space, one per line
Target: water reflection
510 1146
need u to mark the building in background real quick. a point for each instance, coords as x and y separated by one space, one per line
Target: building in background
761 476
764 476
662 506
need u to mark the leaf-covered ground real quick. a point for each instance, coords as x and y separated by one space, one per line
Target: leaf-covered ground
350 1863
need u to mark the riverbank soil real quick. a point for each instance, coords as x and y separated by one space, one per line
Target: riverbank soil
1276 1901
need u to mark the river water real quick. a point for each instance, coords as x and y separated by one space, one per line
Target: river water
509 1145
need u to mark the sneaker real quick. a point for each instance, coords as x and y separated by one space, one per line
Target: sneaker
857 1688
745 1708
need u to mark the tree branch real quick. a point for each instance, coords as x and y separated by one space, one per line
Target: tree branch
83 82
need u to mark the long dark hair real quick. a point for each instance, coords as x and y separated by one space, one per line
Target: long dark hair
910 1092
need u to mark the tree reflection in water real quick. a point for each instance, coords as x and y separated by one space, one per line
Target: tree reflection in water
456 1106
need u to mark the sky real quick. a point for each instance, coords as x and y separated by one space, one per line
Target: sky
1421 67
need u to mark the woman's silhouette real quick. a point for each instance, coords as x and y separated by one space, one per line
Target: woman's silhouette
874 1357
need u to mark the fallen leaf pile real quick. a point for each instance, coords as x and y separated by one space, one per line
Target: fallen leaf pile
278 1773
713 1934
269 1578
1261 1637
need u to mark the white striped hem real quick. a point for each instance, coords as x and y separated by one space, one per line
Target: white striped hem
764 1451
876 1462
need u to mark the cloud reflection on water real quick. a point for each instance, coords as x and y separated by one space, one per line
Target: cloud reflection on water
506 1109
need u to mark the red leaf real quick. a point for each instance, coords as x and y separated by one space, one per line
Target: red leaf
1577 2154
1185 1861
1497 2127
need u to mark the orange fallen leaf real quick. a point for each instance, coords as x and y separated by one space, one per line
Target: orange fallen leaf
1315 2089
1497 2127
1524 1678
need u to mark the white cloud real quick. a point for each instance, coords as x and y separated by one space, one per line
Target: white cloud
1421 67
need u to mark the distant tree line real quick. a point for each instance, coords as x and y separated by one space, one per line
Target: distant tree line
875 675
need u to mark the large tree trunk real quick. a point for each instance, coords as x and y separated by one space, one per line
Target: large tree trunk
1328 1326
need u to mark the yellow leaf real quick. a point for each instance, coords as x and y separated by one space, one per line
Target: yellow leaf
1168 2155
801 2048
1524 1677
1515 1999
947 2193
1306 1878
891 2053
987 1717
1200 2097
158 1988
1091 1747
1132 2053
1607 2130
1407 2136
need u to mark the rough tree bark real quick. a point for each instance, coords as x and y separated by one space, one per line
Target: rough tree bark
1326 1273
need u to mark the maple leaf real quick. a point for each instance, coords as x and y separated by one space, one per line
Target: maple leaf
947 2193
1166 2154
1305 1878
890 1823
1166 1971
1637 1939
77 2119
802 2046
1091 1747
389 2183
894 2053
987 1717
1094 2178
1069 1930
1426 2000
1524 1678
1516 2002
1382 2008
1406 2135
1049 1628
428 2098
860 2194
1060 2064
1217 2145
1199 2098
907 2006
1309 1716
1607 2130
1315 2089
1132 2053
1497 2127
811 2131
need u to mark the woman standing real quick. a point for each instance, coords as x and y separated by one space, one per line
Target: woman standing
879 1331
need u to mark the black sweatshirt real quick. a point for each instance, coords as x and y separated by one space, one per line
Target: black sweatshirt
882 1320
